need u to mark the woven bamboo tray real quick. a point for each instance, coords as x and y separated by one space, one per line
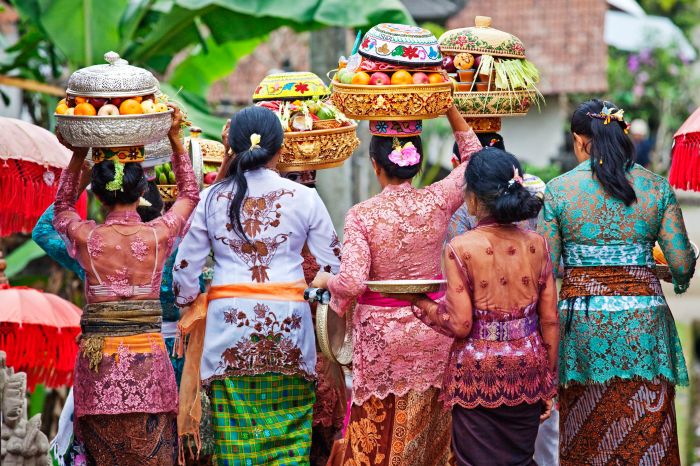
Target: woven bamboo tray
493 103
393 102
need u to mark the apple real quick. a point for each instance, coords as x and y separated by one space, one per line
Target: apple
345 76
108 110
117 101
148 106
161 107
70 111
448 64
70 101
420 78
98 102
379 79
209 178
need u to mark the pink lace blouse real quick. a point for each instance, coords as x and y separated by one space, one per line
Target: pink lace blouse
500 305
397 234
123 260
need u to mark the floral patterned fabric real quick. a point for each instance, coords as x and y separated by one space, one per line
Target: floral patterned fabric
255 336
396 234
606 333
123 259
499 278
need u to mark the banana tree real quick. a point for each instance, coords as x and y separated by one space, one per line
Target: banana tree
208 37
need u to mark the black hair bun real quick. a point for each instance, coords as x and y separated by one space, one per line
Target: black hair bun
134 183
379 149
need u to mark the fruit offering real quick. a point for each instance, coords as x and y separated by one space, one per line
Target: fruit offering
492 78
390 78
306 115
101 106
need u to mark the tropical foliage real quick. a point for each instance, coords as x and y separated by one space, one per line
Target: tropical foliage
188 43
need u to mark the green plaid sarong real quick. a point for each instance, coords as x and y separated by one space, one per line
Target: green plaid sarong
262 419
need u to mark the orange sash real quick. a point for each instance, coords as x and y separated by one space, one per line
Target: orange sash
193 322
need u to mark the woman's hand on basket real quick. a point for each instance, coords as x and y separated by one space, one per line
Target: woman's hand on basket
177 120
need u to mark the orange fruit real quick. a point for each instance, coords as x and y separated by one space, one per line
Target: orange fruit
436 78
80 100
61 108
130 107
85 109
138 98
401 77
360 78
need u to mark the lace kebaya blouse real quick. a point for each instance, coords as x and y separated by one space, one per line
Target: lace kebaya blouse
500 308
397 234
615 321
123 260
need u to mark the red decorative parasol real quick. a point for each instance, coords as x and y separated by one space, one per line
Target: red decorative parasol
38 331
31 159
685 156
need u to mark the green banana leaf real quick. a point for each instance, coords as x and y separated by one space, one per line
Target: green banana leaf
198 71
197 111
19 258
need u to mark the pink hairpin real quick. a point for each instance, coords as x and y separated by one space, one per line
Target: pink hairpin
516 177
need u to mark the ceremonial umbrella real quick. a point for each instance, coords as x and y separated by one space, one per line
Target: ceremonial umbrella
685 156
38 331
31 159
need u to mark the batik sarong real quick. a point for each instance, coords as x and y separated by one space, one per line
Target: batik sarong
631 422
413 429
133 439
262 419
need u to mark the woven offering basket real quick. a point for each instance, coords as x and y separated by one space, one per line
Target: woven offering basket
317 149
493 103
663 271
393 102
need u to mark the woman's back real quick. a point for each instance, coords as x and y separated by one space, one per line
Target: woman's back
587 215
405 228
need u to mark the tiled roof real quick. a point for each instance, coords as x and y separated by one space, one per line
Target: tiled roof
563 38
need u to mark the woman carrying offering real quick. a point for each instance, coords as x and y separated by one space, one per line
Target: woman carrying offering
125 392
398 362
253 329
500 308
620 352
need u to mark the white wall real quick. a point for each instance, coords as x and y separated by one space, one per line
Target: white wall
537 137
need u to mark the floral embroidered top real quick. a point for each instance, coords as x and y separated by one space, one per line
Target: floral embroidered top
397 234
255 336
123 261
501 308
614 317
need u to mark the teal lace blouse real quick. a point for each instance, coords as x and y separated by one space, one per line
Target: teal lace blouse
617 336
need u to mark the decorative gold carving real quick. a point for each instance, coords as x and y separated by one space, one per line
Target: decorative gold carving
317 149
394 102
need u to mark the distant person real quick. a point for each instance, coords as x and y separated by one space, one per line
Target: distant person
643 144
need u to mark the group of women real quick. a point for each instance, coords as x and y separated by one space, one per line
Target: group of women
462 376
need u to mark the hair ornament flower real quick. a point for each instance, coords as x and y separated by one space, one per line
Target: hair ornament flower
404 156
117 184
516 178
493 142
254 141
608 114
143 202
